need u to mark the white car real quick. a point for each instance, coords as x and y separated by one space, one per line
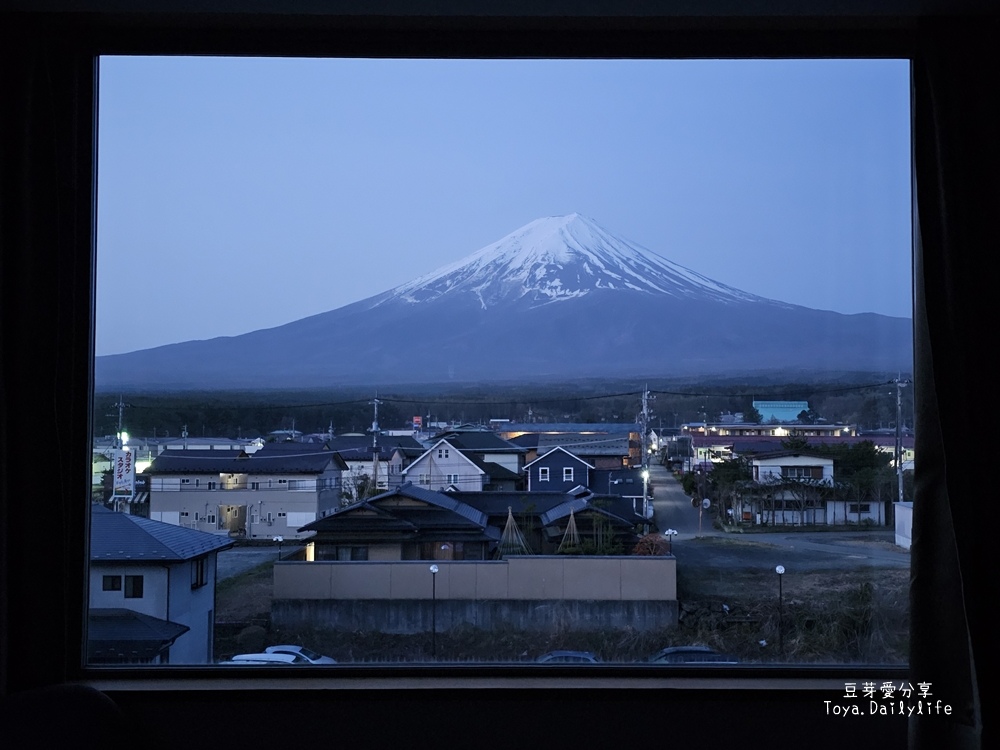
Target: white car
301 652
267 659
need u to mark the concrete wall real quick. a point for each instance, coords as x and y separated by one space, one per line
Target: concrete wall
585 578
904 524
417 615
531 592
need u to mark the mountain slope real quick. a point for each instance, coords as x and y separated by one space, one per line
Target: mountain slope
559 298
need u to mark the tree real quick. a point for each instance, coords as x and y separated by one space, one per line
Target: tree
752 416
808 416
795 444
357 486
727 481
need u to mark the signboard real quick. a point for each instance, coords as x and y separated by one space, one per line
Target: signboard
418 423
124 481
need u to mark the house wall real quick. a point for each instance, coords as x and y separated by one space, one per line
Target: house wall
772 466
511 461
437 468
154 587
903 515
306 503
839 512
194 608
384 552
555 463
167 595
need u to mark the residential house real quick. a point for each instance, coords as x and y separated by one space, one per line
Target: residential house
413 523
152 590
788 487
395 452
442 466
558 470
273 492
405 523
487 447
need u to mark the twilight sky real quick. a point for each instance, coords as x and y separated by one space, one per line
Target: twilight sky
238 194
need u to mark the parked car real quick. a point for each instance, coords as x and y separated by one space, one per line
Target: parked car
568 657
308 655
266 659
691 655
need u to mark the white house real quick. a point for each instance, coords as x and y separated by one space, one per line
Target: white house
152 590
790 487
274 492
443 466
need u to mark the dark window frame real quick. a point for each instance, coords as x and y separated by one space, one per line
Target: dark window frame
61 45
134 586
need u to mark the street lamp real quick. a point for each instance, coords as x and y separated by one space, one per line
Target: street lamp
780 570
434 571
279 540
670 534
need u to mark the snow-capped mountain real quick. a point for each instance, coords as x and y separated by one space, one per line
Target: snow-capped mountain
560 258
560 298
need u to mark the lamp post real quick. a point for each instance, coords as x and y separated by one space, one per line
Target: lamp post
279 540
780 570
434 571
670 534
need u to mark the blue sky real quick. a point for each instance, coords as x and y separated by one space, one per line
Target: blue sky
238 194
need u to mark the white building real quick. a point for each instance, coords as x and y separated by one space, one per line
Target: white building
152 591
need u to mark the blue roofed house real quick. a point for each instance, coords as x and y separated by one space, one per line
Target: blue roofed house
152 591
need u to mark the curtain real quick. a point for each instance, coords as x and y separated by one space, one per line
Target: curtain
956 132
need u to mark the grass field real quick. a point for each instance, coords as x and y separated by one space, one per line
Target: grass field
835 617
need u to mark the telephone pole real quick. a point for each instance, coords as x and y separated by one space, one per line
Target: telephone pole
900 384
373 485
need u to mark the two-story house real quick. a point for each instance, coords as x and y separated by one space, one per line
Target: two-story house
788 487
558 470
152 590
273 492
442 466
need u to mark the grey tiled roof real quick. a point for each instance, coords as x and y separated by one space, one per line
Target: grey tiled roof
118 536
117 624
480 442
585 445
306 461
496 503
117 635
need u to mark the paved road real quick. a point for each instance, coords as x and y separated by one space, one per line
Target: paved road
672 508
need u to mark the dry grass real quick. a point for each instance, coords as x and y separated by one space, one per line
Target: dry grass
837 617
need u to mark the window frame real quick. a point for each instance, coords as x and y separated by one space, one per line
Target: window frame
888 36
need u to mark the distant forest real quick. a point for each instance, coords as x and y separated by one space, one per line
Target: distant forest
867 401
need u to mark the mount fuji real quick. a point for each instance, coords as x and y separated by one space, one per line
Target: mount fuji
561 297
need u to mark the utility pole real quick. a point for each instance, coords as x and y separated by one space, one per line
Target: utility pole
644 421
119 443
373 485
900 384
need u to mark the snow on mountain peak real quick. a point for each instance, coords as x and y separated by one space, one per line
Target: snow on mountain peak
558 258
